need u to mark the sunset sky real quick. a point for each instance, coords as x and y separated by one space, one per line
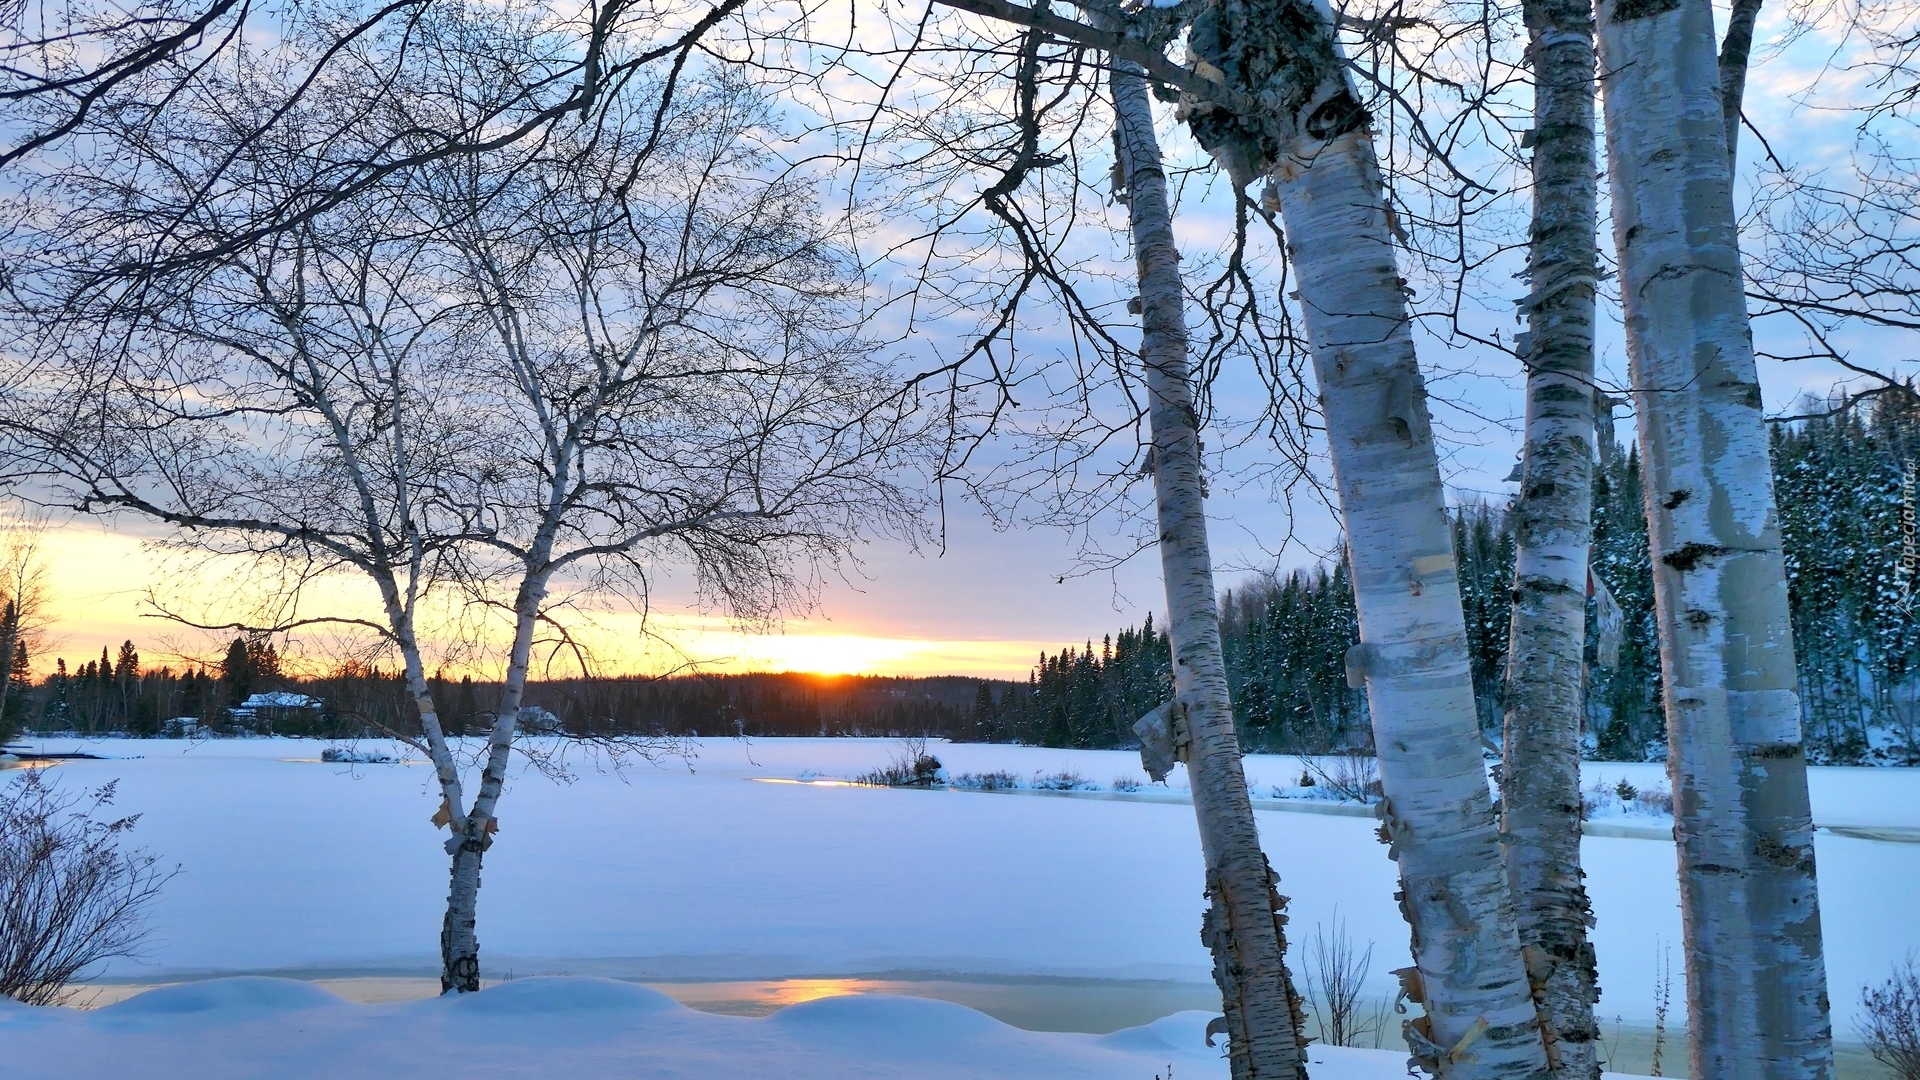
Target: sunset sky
986 607
991 601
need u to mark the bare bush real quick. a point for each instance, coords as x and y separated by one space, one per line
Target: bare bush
1654 801
912 767
1892 1025
1601 798
70 895
1353 776
997 780
1336 973
1064 780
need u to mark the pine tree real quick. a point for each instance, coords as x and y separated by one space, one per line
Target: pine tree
1483 547
1623 701
127 667
982 719
237 673
14 708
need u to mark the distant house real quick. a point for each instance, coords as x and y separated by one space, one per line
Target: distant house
534 720
261 712
180 727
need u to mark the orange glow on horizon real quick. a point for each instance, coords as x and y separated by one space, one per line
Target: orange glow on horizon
100 578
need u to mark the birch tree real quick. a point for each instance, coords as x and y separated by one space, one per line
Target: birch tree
504 383
1546 684
1245 926
1756 982
1313 145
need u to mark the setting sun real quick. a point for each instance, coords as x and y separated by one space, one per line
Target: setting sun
100 580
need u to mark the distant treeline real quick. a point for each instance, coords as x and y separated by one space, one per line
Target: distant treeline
116 694
761 704
1846 486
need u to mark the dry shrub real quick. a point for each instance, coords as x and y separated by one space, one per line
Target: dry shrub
1892 1025
998 780
1336 977
70 896
912 767
1351 777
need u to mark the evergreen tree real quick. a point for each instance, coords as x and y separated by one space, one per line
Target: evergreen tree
237 674
15 708
57 713
1483 549
982 719
127 667
469 706
1623 702
13 697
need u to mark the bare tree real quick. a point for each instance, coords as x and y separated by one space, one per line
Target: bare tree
24 595
1268 92
70 895
498 383
1891 1027
1756 981
1313 145
66 65
1337 971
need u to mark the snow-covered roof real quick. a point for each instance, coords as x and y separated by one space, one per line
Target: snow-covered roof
280 699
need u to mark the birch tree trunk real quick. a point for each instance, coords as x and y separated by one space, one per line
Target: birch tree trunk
1437 814
1244 926
473 831
459 950
1756 983
1316 149
1540 773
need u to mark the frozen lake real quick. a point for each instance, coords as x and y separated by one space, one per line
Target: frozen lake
1067 913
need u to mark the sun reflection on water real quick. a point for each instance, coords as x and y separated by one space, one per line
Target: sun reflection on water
755 998
794 991
810 783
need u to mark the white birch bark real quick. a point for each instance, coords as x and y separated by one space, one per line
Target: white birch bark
1756 984
1438 816
473 831
1316 148
1245 924
459 950
1545 692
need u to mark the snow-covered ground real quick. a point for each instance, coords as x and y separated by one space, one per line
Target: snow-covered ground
290 865
585 1028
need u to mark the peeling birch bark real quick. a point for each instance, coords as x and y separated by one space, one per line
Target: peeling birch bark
1245 924
1546 683
1756 983
1316 149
